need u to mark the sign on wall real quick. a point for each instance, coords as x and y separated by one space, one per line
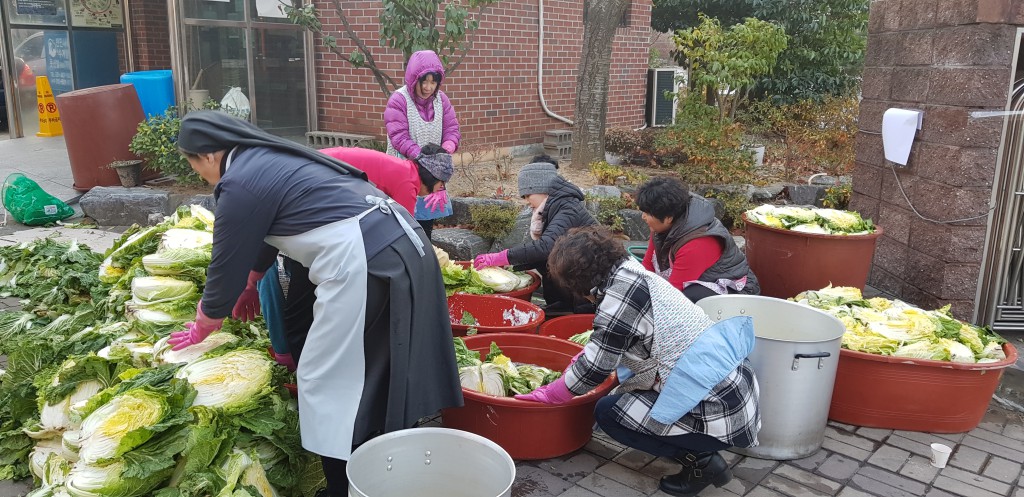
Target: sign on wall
97 14
58 61
36 7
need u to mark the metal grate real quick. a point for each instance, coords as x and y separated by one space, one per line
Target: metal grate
1009 271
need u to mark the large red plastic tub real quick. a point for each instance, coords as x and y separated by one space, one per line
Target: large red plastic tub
528 430
789 262
493 313
566 326
523 293
914 394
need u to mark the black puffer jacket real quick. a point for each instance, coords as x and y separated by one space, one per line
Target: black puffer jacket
563 211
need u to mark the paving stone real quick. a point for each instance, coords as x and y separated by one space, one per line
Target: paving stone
952 437
920 469
761 491
976 480
910 445
739 486
889 457
1014 431
925 438
892 479
842 426
660 467
603 448
607 487
634 459
849 438
958 487
811 480
572 468
839 467
10 488
533 481
875 487
995 420
578 491
753 469
967 458
992 447
632 479
934 492
790 487
846 449
876 434
1019 492
811 462
711 491
731 457
1002 470
852 492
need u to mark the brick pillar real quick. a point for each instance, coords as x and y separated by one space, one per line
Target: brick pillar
947 58
150 34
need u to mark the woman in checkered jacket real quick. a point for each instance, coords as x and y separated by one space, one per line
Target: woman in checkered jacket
693 392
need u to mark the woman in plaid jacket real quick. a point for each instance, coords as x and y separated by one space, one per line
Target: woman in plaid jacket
646 324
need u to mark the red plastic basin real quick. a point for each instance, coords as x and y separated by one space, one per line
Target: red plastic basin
566 326
914 394
522 293
489 311
528 430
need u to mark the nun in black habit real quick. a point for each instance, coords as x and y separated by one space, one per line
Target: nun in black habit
364 370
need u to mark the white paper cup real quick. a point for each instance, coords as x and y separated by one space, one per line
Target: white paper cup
940 455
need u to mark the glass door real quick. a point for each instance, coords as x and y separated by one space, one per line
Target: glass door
247 45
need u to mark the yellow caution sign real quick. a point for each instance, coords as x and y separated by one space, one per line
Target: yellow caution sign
49 118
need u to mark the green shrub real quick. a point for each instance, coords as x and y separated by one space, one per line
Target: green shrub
608 211
493 222
735 205
703 148
156 140
837 197
635 146
607 174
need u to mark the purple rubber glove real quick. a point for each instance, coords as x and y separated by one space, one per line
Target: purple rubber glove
554 393
286 360
449 146
489 260
436 201
573 361
196 331
248 305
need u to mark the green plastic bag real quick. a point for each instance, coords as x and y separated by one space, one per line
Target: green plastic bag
30 204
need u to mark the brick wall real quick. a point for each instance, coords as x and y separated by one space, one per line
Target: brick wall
947 59
494 91
150 34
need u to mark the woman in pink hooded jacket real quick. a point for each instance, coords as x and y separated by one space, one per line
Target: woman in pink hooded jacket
420 113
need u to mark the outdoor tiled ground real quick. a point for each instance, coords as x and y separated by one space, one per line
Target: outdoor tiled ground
854 462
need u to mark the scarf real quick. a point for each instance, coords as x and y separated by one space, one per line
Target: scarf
208 131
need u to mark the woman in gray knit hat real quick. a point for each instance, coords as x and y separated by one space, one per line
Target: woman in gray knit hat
557 207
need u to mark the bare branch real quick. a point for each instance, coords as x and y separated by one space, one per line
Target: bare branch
467 46
383 79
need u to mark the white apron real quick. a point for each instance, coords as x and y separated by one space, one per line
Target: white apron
332 368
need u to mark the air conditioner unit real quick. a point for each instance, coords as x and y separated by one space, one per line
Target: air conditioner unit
661 111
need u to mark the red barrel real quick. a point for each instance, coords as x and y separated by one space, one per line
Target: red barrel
99 123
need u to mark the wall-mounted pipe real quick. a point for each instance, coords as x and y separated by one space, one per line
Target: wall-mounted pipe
540 67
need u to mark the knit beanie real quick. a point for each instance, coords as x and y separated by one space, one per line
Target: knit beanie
439 164
536 177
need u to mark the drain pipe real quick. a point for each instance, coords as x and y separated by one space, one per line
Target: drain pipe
540 67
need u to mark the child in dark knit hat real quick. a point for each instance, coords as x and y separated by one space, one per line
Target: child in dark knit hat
557 207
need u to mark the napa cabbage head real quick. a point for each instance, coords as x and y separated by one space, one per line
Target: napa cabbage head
970 336
442 257
765 214
121 424
176 238
844 221
811 228
154 289
110 480
234 381
923 349
792 215
486 378
163 353
958 352
992 352
499 279
177 261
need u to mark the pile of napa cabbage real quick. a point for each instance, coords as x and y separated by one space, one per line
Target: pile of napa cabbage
811 220
479 281
895 328
94 403
496 374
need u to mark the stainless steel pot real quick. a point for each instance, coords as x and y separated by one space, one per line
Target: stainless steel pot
430 462
796 352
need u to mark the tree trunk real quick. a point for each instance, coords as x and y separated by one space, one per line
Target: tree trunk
602 19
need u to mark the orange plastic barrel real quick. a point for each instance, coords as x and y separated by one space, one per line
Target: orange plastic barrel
566 326
494 314
99 123
789 262
528 430
914 394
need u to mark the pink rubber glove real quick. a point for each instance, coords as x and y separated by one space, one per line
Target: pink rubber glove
489 260
248 305
436 201
573 361
286 360
554 393
449 146
196 331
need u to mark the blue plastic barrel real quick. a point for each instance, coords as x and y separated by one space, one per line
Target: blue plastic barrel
155 90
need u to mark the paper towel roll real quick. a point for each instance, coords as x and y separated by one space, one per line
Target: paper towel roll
898 129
